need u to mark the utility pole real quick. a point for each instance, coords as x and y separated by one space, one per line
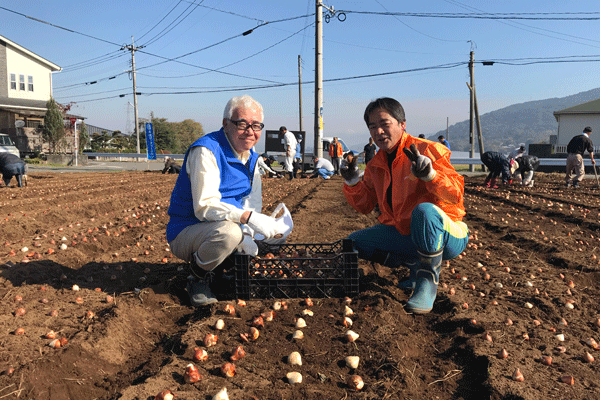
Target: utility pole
318 145
132 48
300 104
472 112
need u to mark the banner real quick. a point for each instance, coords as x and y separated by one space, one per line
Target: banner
150 142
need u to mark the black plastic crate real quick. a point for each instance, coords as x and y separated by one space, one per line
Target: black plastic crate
298 270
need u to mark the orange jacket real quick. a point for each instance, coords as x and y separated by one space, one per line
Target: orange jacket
332 151
445 190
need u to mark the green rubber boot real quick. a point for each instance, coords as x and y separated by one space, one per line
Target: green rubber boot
427 279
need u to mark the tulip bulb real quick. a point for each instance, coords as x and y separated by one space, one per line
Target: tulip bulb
298 335
351 336
294 377
210 340
592 343
352 361
192 374
518 376
546 360
588 357
294 358
51 335
347 322
200 354
355 382
258 321
300 323
55 343
502 354
254 333
220 324
229 309
308 301
228 370
164 395
238 353
268 315
241 303
568 379
348 312
308 313
221 395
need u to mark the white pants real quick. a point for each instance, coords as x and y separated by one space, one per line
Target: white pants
289 161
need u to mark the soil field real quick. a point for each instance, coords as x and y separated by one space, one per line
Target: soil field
523 295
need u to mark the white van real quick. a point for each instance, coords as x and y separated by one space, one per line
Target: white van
7 145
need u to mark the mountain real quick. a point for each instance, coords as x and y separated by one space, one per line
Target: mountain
504 129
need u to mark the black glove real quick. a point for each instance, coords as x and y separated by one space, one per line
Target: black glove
422 167
350 171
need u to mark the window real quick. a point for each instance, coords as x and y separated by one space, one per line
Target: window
21 82
30 83
13 81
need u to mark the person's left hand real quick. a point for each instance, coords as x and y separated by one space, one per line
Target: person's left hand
248 246
422 167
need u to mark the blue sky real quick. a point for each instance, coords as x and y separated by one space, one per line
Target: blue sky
219 62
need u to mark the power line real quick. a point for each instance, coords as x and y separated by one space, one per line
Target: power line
161 20
57 26
161 34
515 62
527 16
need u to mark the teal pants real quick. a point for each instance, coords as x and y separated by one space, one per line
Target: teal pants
431 230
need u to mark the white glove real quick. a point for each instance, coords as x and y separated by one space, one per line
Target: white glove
350 172
248 246
421 165
267 226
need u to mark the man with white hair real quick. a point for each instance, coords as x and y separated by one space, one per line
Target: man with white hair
518 152
216 203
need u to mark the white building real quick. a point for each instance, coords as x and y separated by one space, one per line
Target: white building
25 87
572 121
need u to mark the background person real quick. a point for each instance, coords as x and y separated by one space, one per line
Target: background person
336 152
323 168
443 141
575 149
264 168
518 152
523 167
498 164
298 157
289 145
370 150
171 167
11 165
216 203
420 197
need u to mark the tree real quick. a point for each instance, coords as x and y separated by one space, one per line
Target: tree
53 130
84 137
99 141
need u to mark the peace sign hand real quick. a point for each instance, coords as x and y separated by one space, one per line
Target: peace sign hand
422 167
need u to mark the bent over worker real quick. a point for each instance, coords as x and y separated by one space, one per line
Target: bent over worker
498 164
420 197
11 165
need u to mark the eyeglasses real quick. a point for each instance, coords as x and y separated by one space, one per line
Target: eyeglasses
243 125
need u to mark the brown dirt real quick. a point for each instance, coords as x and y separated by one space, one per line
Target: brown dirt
532 241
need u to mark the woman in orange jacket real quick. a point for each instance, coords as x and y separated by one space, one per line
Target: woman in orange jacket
420 197
336 152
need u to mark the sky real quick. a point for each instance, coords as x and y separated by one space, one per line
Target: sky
192 56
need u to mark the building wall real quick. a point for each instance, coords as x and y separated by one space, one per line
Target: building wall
3 72
570 125
22 64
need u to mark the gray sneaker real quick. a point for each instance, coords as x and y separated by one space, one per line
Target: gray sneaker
199 292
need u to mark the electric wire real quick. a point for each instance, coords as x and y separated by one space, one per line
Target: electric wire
161 20
162 33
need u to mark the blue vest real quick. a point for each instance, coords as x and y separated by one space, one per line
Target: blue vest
236 182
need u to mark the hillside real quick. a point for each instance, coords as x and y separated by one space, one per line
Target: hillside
530 122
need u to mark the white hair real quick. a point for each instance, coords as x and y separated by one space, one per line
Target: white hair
244 101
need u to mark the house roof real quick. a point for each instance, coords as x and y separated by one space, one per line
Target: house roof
35 108
42 60
592 107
